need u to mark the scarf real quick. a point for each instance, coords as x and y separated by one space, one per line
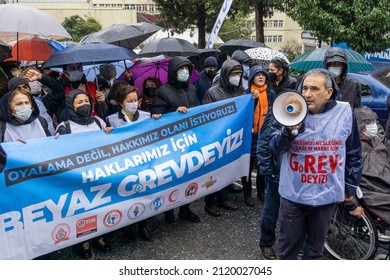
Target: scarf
261 107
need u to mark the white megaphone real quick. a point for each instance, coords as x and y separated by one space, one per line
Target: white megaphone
289 109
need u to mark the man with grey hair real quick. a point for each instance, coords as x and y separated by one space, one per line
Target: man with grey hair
320 166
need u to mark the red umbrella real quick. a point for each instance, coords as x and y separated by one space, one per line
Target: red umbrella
32 49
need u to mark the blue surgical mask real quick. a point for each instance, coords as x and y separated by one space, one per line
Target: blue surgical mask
23 112
183 75
75 75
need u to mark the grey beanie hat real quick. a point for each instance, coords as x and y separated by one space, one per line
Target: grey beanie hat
15 82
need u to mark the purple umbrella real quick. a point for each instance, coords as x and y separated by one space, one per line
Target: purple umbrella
153 67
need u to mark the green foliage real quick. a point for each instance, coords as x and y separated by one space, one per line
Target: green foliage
363 24
235 28
78 27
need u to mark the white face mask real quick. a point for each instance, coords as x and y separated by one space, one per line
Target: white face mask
23 112
336 71
36 87
371 130
183 75
131 108
235 80
75 75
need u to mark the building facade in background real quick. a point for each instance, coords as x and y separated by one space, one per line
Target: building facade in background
280 30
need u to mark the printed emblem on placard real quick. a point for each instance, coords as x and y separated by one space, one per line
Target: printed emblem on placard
136 211
191 190
173 196
112 218
86 226
157 203
209 183
60 233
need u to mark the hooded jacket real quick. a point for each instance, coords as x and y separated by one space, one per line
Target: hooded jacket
350 89
175 93
375 183
281 140
34 127
224 90
78 123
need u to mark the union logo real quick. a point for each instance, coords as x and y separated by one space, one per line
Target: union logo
191 190
136 210
173 196
112 218
157 203
60 233
209 183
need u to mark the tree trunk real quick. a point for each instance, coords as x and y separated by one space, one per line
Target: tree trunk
201 27
259 21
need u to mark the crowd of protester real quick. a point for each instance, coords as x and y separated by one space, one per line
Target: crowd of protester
41 103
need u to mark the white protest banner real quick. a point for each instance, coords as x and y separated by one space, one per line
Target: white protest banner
218 23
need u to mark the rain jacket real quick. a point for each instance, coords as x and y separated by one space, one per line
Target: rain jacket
174 93
78 123
224 90
339 171
350 89
375 183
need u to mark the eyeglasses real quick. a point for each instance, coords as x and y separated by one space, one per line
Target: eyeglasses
24 86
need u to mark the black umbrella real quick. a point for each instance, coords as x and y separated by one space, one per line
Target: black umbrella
230 46
90 54
170 47
124 35
5 51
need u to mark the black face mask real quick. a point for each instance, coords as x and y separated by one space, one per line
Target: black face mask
272 77
211 73
84 110
150 92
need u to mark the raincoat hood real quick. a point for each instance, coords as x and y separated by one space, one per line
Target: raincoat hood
336 55
174 65
364 116
6 116
228 66
256 69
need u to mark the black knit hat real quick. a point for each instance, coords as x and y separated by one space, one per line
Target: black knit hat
15 82
211 61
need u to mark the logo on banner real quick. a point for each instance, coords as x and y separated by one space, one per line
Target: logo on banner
60 233
157 203
174 196
209 183
86 226
136 211
112 218
191 190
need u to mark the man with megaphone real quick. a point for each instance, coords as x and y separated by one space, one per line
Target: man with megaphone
321 162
